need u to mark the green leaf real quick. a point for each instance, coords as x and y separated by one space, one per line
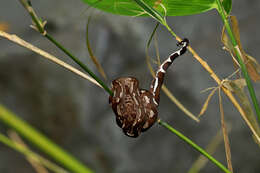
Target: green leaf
150 11
172 7
188 7
227 4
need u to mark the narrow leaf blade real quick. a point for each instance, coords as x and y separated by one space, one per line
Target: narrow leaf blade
91 54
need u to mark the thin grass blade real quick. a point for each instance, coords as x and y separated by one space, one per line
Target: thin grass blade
225 133
194 146
91 54
42 142
206 103
245 104
211 148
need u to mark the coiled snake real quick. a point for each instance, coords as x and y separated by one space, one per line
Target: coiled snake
136 109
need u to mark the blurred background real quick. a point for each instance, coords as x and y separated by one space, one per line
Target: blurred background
75 113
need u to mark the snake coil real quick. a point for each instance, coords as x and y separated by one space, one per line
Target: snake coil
136 109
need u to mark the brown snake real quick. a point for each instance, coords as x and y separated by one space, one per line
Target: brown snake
136 109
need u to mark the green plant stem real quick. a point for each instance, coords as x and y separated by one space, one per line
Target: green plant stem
83 66
170 30
239 58
40 28
28 153
36 20
42 142
195 146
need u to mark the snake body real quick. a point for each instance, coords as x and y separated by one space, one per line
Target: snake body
136 109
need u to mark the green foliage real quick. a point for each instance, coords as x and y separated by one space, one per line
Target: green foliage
41 141
227 4
172 7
